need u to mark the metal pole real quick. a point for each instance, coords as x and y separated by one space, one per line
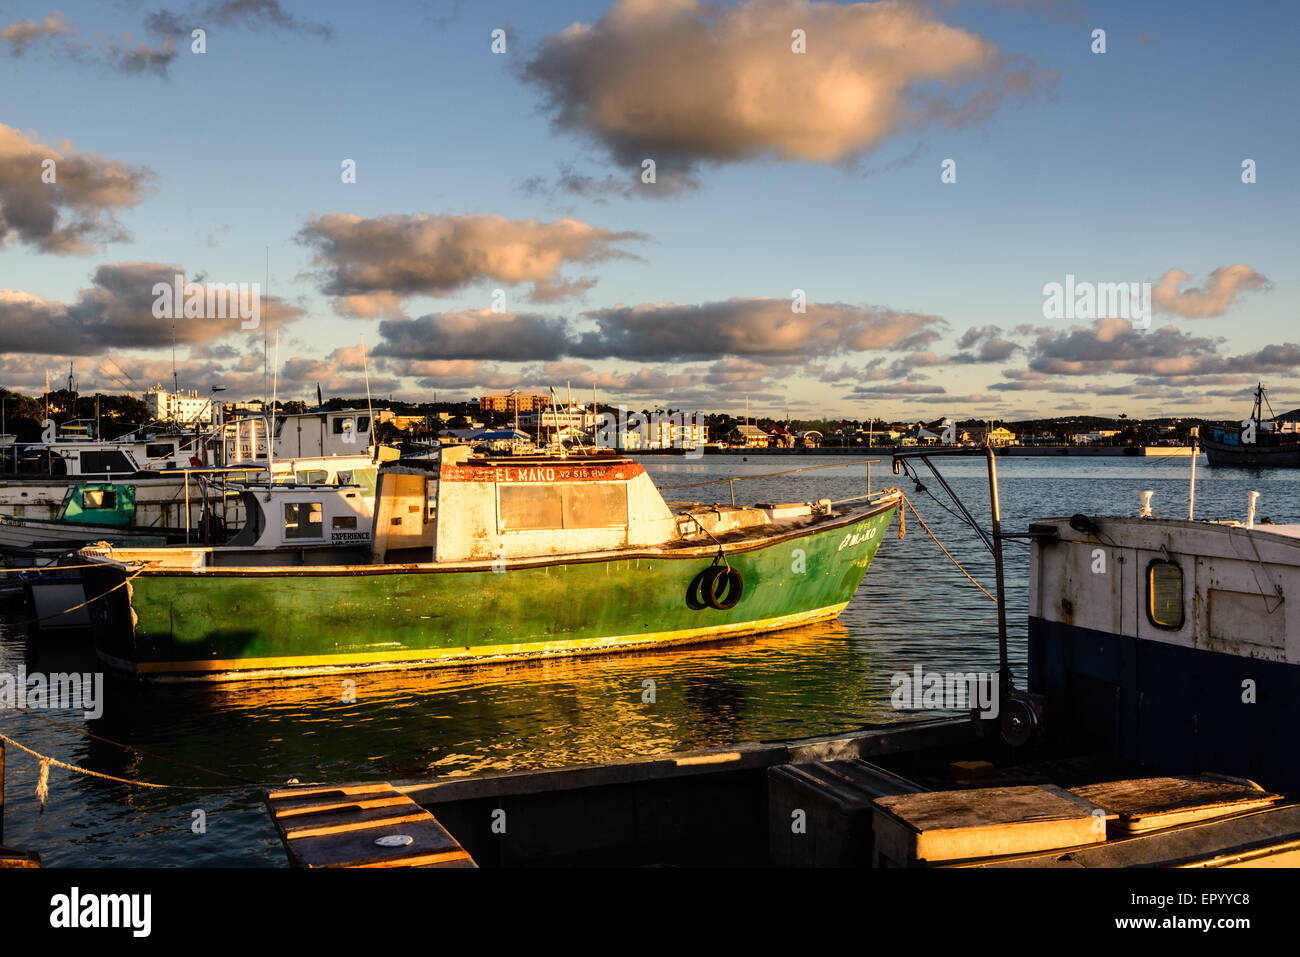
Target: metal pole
1191 493
1004 667
731 484
2 793
187 507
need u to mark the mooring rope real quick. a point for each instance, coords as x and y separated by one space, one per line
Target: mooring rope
43 779
124 581
908 503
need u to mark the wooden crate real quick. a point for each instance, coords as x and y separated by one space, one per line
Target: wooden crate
836 800
937 827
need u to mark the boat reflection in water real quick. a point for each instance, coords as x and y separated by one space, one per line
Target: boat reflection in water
500 717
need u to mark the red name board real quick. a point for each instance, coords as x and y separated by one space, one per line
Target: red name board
541 474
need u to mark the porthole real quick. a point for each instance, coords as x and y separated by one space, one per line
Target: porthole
1165 594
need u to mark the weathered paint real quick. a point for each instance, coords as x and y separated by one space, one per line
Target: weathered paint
1220 693
217 623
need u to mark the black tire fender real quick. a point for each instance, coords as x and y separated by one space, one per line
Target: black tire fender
714 593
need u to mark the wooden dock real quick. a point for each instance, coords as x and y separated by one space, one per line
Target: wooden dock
362 825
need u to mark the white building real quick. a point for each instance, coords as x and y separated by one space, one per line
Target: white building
180 407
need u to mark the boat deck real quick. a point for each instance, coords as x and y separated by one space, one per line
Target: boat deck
921 793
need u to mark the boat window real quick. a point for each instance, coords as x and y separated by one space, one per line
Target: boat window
1165 594
530 507
342 425
572 505
367 479
312 477
595 505
363 423
302 520
159 450
92 462
344 521
99 498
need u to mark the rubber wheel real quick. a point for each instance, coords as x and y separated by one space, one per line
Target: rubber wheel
697 590
713 593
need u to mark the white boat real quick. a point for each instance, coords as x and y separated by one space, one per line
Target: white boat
310 520
180 498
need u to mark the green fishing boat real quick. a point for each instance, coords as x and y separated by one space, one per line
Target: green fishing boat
476 559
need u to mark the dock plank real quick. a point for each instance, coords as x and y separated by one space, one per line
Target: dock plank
1144 804
338 827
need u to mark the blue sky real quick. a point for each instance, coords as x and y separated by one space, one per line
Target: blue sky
1114 167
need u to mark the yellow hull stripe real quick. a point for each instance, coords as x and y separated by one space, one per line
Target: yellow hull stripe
307 664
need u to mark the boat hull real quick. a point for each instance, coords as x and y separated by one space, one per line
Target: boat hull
226 624
1140 699
1282 455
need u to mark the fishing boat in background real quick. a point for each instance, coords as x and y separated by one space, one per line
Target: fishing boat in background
302 523
1258 442
161 493
477 559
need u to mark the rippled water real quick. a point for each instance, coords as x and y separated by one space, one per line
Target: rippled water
913 608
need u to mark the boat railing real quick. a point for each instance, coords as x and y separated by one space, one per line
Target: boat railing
731 481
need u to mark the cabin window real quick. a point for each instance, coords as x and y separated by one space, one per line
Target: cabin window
568 506
595 505
313 477
92 462
159 450
99 498
344 521
363 423
1165 594
366 478
531 507
302 520
342 425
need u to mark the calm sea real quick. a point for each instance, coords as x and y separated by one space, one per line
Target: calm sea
913 608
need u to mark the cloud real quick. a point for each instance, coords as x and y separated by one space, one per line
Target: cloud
750 327
684 82
396 256
130 54
258 13
76 211
22 33
475 334
570 181
114 312
988 343
1213 299
1115 346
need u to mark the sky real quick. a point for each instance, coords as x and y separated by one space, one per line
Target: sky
827 209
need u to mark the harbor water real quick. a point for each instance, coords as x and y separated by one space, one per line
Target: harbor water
214 744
